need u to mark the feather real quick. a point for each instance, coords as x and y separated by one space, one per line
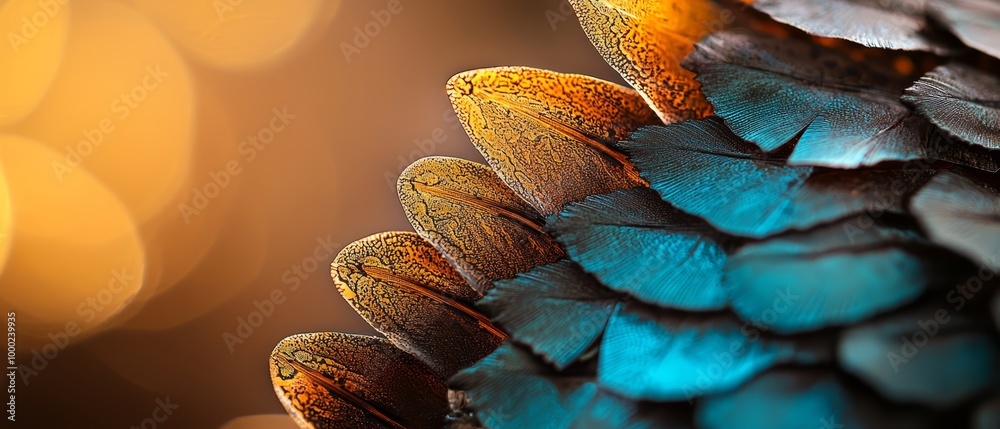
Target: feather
987 414
797 398
846 114
833 275
962 101
331 380
705 170
550 136
558 310
931 356
407 291
677 357
635 243
646 41
961 215
890 24
975 22
609 411
482 227
513 390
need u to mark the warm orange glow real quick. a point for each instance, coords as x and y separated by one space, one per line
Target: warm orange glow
6 222
33 44
130 125
236 34
75 253
363 106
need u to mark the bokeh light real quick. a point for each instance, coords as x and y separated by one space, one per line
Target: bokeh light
237 34
36 37
145 190
75 255
130 124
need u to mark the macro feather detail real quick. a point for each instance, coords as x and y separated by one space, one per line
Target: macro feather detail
962 101
892 24
550 136
773 91
775 227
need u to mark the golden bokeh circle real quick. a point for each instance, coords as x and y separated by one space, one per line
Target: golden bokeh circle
121 107
35 37
236 34
75 256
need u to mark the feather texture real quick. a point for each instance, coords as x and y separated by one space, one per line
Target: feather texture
672 258
558 310
514 390
403 287
646 41
329 380
845 114
833 275
703 169
975 22
482 227
762 268
962 101
550 136
668 357
930 356
891 24
797 399
961 215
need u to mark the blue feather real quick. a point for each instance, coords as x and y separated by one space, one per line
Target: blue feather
635 243
557 310
800 399
702 168
845 114
678 358
834 275
931 356
510 389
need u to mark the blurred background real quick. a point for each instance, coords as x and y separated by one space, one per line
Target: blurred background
176 176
